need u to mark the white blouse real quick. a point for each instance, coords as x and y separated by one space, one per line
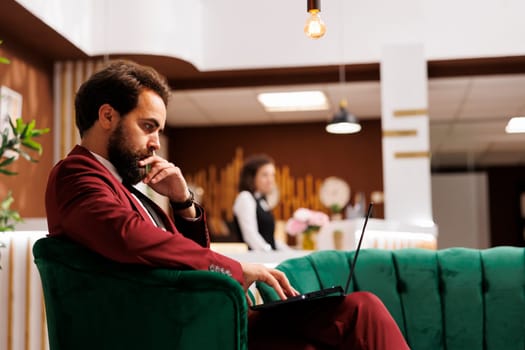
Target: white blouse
245 210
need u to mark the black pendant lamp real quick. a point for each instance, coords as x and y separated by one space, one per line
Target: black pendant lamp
343 122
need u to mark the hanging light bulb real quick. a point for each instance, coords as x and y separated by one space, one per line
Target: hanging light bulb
314 27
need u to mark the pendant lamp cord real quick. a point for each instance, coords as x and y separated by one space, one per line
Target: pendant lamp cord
342 70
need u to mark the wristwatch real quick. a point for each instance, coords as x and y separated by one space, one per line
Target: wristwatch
183 205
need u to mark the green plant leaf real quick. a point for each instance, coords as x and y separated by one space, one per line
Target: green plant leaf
336 208
3 59
7 201
8 217
5 136
20 126
24 130
23 134
25 155
28 128
38 132
7 172
15 216
32 145
7 161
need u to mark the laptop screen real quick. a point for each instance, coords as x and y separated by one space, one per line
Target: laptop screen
358 247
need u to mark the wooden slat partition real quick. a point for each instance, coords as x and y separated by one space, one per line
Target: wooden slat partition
22 312
220 186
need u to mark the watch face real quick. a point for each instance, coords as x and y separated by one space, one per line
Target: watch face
334 191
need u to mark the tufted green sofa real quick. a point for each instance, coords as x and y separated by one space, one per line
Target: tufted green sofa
93 303
451 299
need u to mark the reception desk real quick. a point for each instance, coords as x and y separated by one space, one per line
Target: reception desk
379 233
342 235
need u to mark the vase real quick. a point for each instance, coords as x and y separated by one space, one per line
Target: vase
336 216
309 239
338 240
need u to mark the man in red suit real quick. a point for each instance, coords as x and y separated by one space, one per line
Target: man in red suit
90 199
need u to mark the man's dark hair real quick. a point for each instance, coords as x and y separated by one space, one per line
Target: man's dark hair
249 170
119 85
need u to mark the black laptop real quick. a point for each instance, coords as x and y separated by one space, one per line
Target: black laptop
323 294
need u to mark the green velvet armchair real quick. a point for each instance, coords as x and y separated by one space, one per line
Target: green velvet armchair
453 299
94 303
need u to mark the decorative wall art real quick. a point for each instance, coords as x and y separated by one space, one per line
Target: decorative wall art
10 106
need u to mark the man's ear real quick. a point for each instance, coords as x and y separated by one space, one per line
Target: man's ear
106 116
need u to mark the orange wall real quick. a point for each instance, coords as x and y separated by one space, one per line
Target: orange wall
31 76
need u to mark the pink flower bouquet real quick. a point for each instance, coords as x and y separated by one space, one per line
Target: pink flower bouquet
304 219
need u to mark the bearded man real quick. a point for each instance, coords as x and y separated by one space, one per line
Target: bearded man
91 200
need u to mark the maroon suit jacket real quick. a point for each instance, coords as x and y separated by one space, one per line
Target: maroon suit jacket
87 204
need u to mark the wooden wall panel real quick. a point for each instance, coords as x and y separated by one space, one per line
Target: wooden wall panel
31 76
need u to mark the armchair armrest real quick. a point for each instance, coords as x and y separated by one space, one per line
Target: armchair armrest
92 302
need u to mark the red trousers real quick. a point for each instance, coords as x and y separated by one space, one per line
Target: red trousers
359 321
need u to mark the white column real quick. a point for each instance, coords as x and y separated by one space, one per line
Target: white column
404 121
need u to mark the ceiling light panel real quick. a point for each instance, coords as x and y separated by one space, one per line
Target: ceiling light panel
293 101
515 125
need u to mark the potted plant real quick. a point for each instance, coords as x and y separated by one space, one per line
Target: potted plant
16 140
14 144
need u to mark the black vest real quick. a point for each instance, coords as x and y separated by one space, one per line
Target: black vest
265 223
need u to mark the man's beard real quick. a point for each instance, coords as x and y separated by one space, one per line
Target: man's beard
124 158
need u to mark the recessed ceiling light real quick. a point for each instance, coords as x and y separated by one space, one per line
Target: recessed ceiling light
293 101
515 125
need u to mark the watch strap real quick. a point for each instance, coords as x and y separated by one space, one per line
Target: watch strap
183 205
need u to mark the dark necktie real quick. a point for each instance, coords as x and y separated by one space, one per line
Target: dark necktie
147 204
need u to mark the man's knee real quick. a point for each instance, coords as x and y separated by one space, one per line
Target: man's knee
364 298
365 301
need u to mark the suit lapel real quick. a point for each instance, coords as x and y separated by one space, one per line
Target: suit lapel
153 206
136 205
154 210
